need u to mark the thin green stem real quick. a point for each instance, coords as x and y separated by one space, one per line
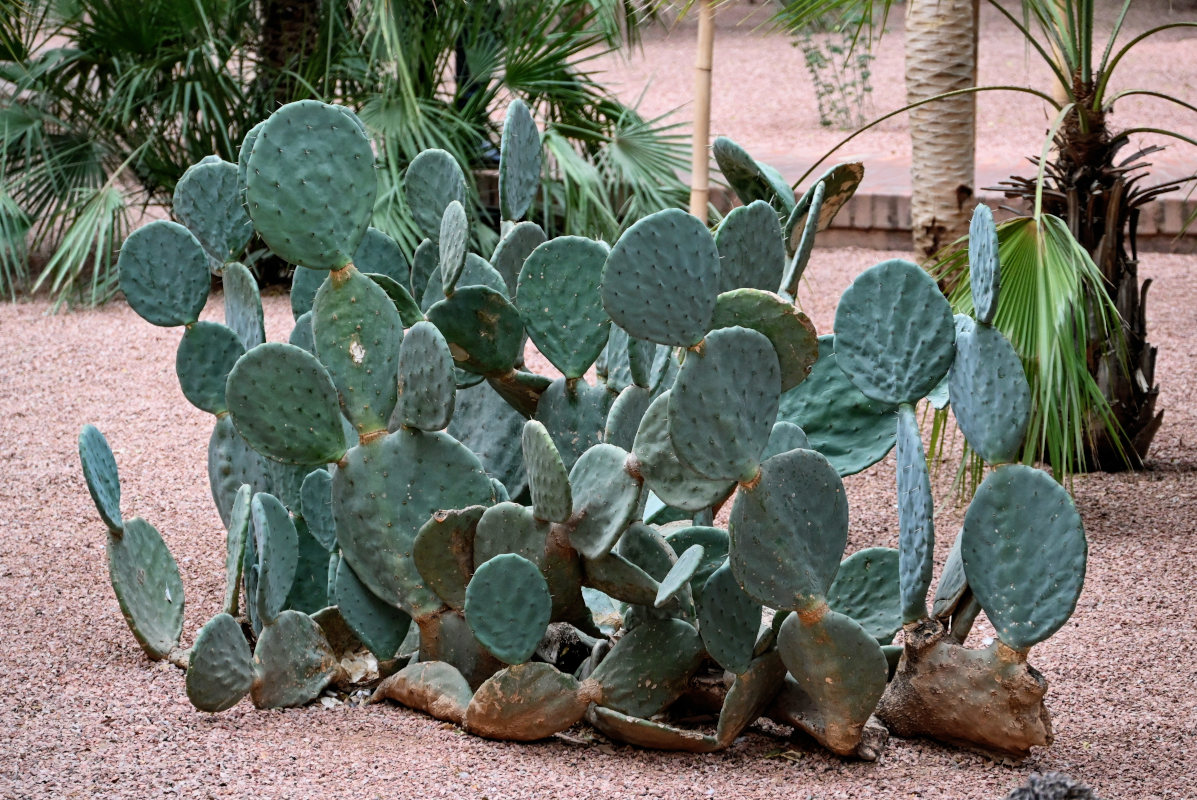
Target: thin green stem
1108 71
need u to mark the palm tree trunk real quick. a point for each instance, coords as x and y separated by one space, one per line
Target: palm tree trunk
941 56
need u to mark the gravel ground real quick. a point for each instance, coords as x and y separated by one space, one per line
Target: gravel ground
86 715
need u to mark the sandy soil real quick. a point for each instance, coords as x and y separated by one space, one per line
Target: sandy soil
84 714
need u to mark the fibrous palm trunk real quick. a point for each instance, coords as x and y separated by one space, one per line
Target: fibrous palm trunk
941 56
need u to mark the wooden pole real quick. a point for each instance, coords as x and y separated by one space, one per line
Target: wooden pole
700 187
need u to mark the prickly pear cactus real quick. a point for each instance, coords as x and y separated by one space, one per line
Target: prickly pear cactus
521 551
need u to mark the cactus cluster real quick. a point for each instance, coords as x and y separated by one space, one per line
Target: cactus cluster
517 552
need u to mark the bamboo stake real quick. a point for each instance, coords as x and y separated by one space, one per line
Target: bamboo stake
700 188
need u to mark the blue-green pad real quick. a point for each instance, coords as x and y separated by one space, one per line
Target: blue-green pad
674 481
475 272
310 187
384 493
424 263
752 254
103 480
1024 553
524 703
315 506
206 355
379 254
662 278
277 546
851 430
724 403
606 498
452 245
866 588
283 402
984 268
916 513
146 580
784 437
628 360
433 180
427 387
243 304
444 552
952 582
232 462
751 693
548 480
292 662
750 179
990 395
235 539
163 272
840 667
806 244
220 668
788 329
560 300
520 160
405 304
840 183
379 625
619 578
486 424
514 248
649 733
895 336
508 607
789 530
679 575
644 546
309 589
484 331
623 420
729 621
358 333
575 414
304 285
649 668
715 543
207 200
243 153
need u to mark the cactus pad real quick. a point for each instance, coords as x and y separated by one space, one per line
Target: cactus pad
508 607
574 412
916 511
206 355
751 252
484 331
866 588
729 621
207 200
605 497
552 499
380 626
649 733
444 552
679 575
103 480
649 668
984 269
427 388
806 243
292 662
379 254
784 437
434 687
316 507
519 161
487 424
238 534
433 181
525 702
750 179
625 416
788 329
514 248
675 482
220 668
164 274
840 183
146 580
990 394
278 554
243 304
452 245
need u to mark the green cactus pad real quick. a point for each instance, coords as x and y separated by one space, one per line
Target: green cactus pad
309 590
220 668
662 278
649 733
649 668
840 667
750 694
750 179
524 703
444 552
278 554
206 355
238 534
315 507
561 302
487 425
427 388
840 183
358 333
675 482
424 263
789 330
283 402
384 493
952 582
723 404
304 285
520 159
715 543
617 577
867 589
851 430
645 547
623 420
751 251
379 254
433 181
990 394
379 625
310 187
292 662
788 532
207 201
164 274
548 480
434 687
806 244
243 304
628 361
484 331
606 498
232 462
679 575
916 511
984 269
729 620
146 580
895 337
514 248
409 311
243 153
784 437
452 245
574 415
508 607
103 480
1024 553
